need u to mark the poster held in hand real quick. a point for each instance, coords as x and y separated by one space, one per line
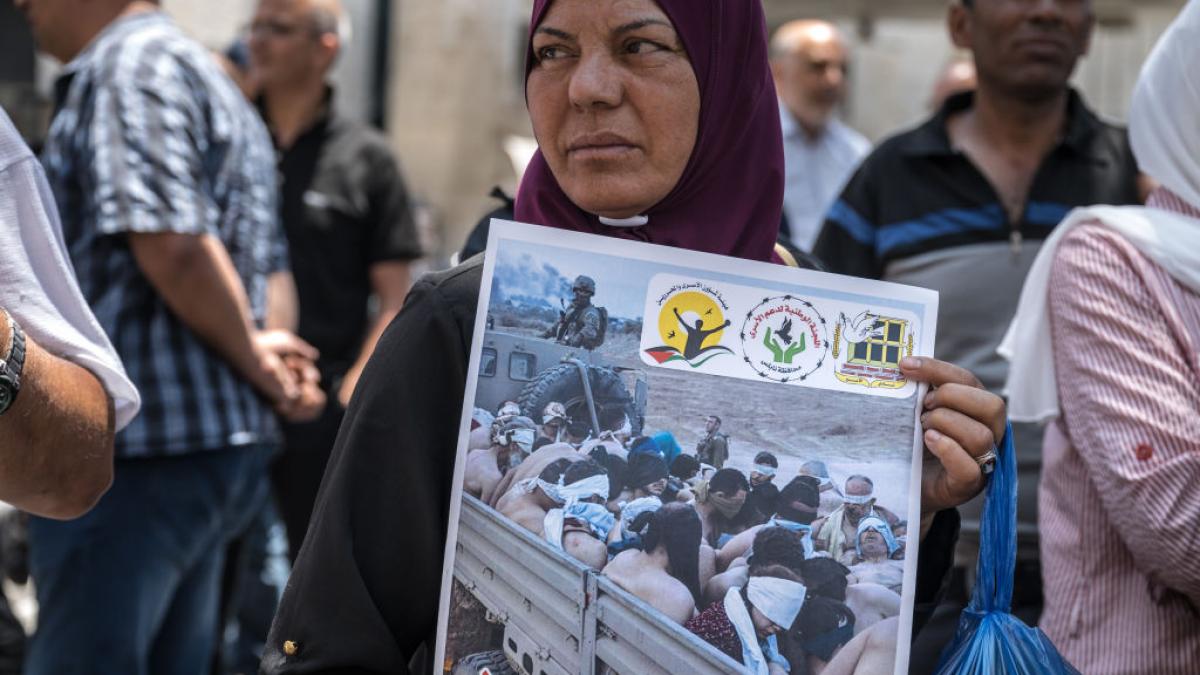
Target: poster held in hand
585 536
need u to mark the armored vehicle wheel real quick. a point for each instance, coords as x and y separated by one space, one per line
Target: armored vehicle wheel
493 662
563 384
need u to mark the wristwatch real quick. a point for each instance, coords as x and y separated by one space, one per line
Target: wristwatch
11 364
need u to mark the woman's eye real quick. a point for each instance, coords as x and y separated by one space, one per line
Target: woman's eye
549 53
643 47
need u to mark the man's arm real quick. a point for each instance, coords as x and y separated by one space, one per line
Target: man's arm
197 280
283 305
390 282
57 448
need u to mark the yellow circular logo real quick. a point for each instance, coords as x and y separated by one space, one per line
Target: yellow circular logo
691 313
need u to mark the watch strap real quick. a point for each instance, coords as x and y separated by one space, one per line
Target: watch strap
12 365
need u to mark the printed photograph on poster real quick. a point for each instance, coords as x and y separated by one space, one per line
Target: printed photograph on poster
675 462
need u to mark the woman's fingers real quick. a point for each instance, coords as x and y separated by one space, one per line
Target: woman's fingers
978 404
970 434
958 388
937 373
963 476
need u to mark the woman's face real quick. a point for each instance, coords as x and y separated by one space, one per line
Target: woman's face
762 625
614 102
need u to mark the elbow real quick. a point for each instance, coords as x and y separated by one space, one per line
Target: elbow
88 490
78 488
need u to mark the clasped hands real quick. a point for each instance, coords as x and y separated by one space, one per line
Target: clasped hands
288 375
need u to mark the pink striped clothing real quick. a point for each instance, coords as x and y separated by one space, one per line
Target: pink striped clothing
1119 500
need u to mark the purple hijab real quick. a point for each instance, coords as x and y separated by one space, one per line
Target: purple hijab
730 197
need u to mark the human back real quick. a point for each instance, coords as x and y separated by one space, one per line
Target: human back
632 571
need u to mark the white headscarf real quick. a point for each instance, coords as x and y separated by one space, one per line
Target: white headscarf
779 600
1166 102
1166 141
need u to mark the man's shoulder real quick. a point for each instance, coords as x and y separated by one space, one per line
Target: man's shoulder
12 146
144 52
851 140
358 139
903 144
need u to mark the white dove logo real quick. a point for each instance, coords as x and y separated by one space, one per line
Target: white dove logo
861 327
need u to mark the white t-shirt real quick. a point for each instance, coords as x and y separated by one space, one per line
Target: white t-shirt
37 282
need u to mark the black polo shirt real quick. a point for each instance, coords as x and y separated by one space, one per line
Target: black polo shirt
344 207
918 211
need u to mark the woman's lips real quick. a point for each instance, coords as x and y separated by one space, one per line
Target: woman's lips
600 146
601 152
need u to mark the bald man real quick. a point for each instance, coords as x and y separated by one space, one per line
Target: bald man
808 61
345 212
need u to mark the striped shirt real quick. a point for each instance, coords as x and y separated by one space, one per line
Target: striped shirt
1119 508
151 136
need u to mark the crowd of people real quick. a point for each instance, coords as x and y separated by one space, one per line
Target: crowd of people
201 329
762 566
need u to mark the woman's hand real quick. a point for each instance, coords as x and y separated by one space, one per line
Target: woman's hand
961 421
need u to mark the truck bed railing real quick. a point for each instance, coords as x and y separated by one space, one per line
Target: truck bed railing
581 621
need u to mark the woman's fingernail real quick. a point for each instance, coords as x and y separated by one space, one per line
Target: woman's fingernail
910 362
929 401
924 419
932 435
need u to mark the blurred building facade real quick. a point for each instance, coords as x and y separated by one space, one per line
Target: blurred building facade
444 77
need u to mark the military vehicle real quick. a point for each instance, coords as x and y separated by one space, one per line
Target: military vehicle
534 372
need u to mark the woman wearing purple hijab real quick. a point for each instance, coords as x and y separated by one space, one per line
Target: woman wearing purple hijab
658 122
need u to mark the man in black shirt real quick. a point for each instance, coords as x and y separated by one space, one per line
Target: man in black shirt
346 214
962 203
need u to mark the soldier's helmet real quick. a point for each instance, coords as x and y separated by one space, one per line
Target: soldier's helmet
584 285
554 413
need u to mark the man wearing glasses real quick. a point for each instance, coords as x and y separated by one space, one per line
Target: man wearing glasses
345 211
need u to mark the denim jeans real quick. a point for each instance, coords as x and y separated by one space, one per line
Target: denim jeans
132 587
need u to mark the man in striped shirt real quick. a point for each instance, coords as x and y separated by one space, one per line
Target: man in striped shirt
164 176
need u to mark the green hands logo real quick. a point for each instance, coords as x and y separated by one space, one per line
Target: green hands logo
779 353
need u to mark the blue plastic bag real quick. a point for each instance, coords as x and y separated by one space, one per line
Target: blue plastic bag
990 641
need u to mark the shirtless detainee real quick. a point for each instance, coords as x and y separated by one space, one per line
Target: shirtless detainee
796 508
831 499
582 525
647 476
775 546
719 500
528 503
879 555
837 532
486 468
665 575
532 466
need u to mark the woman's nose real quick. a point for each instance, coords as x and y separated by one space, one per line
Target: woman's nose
596 83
